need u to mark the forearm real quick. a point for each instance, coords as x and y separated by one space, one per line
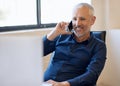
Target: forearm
87 79
59 30
52 35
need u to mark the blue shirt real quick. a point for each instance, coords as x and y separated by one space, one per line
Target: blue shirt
78 63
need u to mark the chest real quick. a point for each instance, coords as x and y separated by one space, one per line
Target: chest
74 53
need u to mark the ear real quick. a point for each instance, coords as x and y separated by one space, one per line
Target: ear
93 20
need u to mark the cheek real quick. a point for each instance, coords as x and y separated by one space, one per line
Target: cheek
88 24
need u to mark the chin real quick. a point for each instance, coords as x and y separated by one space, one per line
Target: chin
79 34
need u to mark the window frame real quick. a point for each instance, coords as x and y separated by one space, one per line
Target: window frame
29 27
39 25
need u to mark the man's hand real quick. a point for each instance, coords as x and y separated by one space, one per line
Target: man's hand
59 29
54 83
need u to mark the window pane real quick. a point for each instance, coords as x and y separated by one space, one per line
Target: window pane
18 12
53 11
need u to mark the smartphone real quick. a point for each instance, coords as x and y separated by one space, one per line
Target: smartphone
70 26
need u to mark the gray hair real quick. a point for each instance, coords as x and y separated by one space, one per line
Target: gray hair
90 7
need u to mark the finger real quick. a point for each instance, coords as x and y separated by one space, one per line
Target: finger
63 25
50 81
67 32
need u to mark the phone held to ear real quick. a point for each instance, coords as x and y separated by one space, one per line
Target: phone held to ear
70 27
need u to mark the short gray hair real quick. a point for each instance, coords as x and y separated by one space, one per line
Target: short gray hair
90 7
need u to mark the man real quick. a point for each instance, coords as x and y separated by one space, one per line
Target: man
78 56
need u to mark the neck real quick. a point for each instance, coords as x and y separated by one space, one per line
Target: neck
82 38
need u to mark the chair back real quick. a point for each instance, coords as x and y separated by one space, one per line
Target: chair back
100 34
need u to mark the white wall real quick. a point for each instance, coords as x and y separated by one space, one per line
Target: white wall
110 75
108 18
99 6
107 13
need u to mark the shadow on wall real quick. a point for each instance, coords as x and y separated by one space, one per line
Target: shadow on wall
110 75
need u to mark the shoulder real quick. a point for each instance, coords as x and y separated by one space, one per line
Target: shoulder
96 44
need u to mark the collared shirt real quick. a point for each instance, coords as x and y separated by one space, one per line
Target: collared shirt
78 63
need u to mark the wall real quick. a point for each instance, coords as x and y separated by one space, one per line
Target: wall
37 32
110 75
107 13
108 18
100 14
114 14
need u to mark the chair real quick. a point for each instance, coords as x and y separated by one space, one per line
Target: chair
100 34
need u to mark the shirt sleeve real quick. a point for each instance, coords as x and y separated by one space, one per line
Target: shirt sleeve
93 70
48 46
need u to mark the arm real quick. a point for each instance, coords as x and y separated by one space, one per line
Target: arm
50 40
59 29
93 70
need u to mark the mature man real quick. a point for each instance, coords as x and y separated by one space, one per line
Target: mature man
78 56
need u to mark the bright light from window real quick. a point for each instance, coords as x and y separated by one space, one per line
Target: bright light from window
18 12
53 11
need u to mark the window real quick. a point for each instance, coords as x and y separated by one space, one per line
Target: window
29 14
58 10
18 14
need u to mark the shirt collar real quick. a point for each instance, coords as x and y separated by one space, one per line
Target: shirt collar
84 42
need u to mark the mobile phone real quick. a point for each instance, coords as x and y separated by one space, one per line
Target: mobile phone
70 26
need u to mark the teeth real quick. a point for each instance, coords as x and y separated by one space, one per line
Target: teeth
79 27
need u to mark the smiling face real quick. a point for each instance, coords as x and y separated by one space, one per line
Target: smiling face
82 21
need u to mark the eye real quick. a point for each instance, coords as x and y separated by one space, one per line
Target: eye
82 18
74 19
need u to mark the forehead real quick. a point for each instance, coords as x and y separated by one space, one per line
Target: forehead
81 11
